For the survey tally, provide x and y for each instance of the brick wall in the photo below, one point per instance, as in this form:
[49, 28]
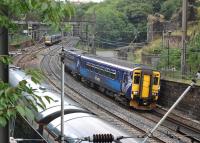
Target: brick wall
[190, 105]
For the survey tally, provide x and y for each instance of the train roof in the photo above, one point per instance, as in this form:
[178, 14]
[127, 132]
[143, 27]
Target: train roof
[53, 112]
[74, 51]
[79, 125]
[125, 65]
[53, 107]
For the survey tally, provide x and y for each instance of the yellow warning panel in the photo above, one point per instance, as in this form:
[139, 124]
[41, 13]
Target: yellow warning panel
[145, 86]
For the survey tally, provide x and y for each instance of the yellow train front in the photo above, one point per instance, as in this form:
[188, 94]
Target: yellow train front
[145, 89]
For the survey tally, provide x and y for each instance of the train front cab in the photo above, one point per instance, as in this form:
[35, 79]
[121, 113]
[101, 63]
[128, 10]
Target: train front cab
[145, 89]
[48, 40]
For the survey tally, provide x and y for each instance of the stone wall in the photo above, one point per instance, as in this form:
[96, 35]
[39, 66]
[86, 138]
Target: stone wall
[174, 41]
[190, 105]
[157, 27]
[150, 59]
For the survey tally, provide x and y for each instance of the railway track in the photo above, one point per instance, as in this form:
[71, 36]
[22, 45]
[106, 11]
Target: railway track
[181, 125]
[95, 108]
[27, 55]
[162, 135]
[104, 106]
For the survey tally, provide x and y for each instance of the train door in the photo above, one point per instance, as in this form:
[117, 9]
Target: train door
[141, 84]
[145, 85]
[78, 64]
[136, 83]
[124, 82]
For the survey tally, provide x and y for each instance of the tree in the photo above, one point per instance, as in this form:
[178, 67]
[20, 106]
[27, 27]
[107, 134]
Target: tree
[51, 12]
[122, 21]
[169, 7]
[193, 58]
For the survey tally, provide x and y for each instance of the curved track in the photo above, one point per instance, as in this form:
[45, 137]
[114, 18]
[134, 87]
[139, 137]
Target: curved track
[77, 91]
[28, 54]
[136, 123]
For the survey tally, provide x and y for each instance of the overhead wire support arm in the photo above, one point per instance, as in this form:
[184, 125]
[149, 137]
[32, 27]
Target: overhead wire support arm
[148, 135]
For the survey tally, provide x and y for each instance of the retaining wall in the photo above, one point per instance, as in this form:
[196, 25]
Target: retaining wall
[190, 105]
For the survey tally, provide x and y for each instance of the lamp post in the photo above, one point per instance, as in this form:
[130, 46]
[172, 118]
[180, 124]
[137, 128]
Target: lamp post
[169, 33]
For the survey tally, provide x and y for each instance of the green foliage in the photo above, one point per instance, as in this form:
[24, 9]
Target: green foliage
[11, 99]
[174, 59]
[169, 7]
[81, 9]
[154, 48]
[194, 53]
[157, 4]
[17, 39]
[36, 75]
[50, 11]
[5, 59]
[111, 21]
[121, 20]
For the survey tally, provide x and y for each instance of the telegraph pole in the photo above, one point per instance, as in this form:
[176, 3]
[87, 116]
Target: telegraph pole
[86, 36]
[184, 35]
[93, 33]
[4, 131]
[169, 33]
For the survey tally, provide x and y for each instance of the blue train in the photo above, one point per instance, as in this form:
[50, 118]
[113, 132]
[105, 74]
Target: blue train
[136, 83]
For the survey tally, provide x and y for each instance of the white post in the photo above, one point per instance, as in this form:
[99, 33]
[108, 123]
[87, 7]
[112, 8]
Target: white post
[169, 111]
[62, 89]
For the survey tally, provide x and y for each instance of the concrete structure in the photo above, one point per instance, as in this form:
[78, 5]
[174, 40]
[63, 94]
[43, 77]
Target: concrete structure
[170, 91]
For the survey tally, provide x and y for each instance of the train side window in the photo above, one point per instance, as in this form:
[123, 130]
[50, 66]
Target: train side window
[113, 75]
[95, 69]
[101, 71]
[91, 68]
[104, 73]
[155, 80]
[136, 79]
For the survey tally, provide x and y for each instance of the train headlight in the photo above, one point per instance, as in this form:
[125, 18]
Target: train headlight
[154, 93]
[145, 103]
[135, 92]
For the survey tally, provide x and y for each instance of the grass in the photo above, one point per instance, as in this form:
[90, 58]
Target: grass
[17, 39]
[136, 56]
[154, 47]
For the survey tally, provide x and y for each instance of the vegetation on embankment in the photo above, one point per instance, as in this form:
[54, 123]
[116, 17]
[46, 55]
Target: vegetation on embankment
[120, 22]
[18, 39]
[192, 52]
